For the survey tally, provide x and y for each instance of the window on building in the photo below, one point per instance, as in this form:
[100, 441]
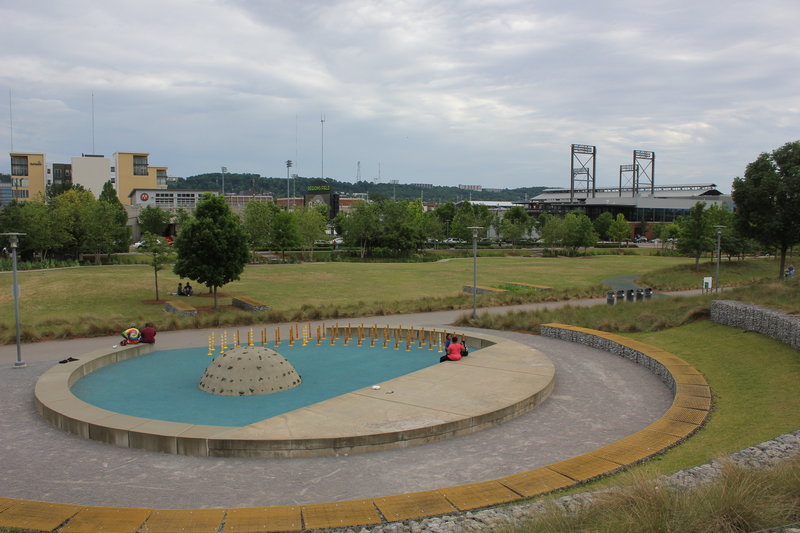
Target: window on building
[164, 199]
[20, 193]
[20, 182]
[186, 199]
[139, 165]
[19, 166]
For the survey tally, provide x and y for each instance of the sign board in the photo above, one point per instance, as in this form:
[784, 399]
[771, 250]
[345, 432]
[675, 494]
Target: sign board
[708, 282]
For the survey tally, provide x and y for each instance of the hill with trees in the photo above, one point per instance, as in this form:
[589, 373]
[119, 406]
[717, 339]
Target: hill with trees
[255, 184]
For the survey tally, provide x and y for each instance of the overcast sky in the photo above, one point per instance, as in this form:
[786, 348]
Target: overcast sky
[486, 92]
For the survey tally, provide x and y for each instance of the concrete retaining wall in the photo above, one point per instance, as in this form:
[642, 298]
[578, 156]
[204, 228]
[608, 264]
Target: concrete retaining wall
[779, 326]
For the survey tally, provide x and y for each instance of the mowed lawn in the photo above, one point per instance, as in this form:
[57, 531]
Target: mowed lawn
[115, 292]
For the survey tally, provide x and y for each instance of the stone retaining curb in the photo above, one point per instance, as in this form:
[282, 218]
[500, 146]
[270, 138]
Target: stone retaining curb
[774, 324]
[690, 409]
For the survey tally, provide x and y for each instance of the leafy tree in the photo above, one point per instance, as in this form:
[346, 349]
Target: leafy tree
[258, 219]
[182, 216]
[445, 213]
[154, 220]
[160, 254]
[696, 233]
[602, 223]
[212, 247]
[311, 224]
[619, 230]
[553, 231]
[284, 232]
[516, 224]
[768, 200]
[400, 229]
[432, 226]
[581, 231]
[360, 227]
[75, 209]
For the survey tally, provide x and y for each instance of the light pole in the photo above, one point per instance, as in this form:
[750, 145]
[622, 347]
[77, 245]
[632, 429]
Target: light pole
[13, 239]
[474, 268]
[288, 188]
[719, 234]
[224, 170]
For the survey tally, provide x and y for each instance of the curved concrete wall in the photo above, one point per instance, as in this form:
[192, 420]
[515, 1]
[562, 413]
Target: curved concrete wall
[504, 380]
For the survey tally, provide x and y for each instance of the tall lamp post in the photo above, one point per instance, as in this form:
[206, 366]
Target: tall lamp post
[288, 188]
[13, 239]
[474, 268]
[719, 234]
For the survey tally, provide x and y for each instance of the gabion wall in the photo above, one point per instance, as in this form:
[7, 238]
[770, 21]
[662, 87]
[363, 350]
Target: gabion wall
[779, 326]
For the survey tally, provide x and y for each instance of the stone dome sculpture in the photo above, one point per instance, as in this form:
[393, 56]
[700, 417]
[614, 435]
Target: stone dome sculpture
[249, 371]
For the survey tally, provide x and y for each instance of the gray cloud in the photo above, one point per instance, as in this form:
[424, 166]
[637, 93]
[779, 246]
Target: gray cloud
[479, 92]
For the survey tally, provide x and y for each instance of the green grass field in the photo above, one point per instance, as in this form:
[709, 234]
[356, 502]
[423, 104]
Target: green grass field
[88, 301]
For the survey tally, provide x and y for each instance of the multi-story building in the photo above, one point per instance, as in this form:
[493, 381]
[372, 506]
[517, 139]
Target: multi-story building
[28, 175]
[134, 172]
[92, 172]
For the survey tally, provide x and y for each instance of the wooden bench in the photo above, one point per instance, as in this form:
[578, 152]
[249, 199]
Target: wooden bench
[180, 308]
[248, 304]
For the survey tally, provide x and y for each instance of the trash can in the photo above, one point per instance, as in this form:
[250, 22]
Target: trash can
[639, 295]
[648, 293]
[629, 295]
[620, 295]
[610, 297]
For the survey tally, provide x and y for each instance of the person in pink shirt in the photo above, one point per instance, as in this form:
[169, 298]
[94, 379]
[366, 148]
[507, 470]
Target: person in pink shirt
[453, 351]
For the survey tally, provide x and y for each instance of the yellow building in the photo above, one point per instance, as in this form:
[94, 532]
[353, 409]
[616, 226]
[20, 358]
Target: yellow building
[28, 175]
[133, 172]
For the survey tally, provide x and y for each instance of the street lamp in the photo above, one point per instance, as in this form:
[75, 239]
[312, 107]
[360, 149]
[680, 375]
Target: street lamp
[474, 268]
[13, 239]
[719, 234]
[288, 188]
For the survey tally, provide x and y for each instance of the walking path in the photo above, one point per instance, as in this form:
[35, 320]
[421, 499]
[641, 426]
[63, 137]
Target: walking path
[598, 399]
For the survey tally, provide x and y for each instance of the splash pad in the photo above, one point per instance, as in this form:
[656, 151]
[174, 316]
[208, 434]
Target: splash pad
[502, 380]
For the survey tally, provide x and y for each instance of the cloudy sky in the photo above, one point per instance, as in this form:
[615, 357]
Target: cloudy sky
[449, 92]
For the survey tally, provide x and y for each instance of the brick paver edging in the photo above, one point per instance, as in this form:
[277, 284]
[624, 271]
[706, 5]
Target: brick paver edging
[690, 409]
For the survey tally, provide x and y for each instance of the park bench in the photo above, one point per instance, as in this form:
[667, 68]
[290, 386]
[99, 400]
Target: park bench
[248, 304]
[180, 308]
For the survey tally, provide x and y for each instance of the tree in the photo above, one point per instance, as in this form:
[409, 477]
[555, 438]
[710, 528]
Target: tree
[258, 219]
[159, 251]
[768, 200]
[74, 208]
[311, 224]
[212, 247]
[516, 224]
[154, 220]
[360, 227]
[619, 230]
[602, 223]
[696, 233]
[284, 232]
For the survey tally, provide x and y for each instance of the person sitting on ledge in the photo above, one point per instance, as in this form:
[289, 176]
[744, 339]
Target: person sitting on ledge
[453, 351]
[179, 292]
[131, 335]
[187, 289]
[148, 334]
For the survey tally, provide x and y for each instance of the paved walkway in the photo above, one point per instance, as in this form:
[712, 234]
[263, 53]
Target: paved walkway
[598, 399]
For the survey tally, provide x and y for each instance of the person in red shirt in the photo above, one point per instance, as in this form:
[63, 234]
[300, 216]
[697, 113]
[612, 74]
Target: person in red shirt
[148, 334]
[453, 351]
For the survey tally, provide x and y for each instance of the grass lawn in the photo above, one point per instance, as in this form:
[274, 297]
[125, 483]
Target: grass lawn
[754, 384]
[98, 300]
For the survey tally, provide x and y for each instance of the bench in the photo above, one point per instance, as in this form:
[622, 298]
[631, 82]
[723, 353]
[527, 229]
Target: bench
[248, 304]
[180, 308]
